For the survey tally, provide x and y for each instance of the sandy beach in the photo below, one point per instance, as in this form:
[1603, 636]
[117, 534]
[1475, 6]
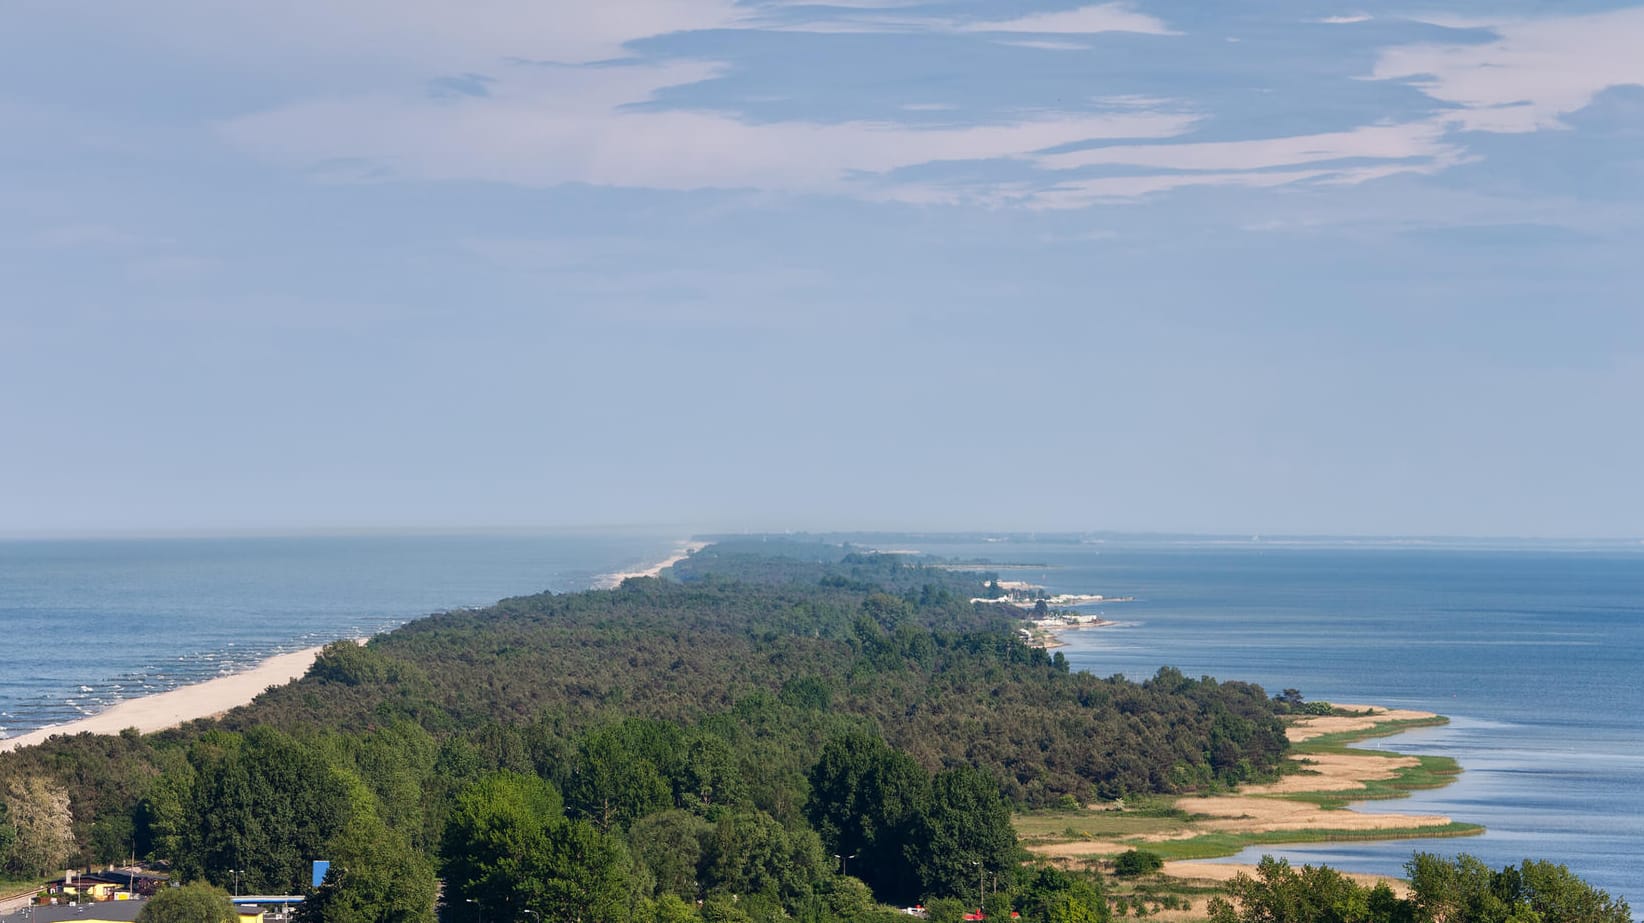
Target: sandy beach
[682, 551]
[183, 704]
[215, 696]
[1266, 809]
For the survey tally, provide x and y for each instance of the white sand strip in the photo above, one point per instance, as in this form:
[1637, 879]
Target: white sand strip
[183, 704]
[681, 552]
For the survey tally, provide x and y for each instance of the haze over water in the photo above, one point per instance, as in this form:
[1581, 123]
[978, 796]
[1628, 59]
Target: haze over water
[1534, 653]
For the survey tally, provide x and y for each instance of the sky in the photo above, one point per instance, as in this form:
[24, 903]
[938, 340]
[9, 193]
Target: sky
[1275, 267]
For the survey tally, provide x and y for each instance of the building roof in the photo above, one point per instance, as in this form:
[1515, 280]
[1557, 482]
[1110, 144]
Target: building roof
[105, 911]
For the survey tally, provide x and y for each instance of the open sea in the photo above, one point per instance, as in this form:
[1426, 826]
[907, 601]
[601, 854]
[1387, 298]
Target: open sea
[1535, 653]
[91, 622]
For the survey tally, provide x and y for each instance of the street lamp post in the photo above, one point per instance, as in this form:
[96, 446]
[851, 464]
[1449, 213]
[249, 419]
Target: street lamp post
[236, 873]
[533, 913]
[479, 911]
[844, 862]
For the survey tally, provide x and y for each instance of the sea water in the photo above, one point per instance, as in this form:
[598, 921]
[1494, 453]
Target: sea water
[1535, 653]
[88, 623]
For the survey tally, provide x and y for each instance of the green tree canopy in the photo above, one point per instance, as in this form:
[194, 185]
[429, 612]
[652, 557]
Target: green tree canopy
[198, 902]
[752, 853]
[39, 826]
[375, 876]
[1460, 890]
[262, 803]
[1050, 895]
[964, 833]
[865, 799]
[509, 849]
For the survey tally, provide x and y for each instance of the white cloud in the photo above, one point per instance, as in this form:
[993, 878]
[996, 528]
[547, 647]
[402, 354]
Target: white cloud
[545, 126]
[1044, 44]
[1103, 17]
[548, 126]
[1535, 71]
[1084, 192]
[1419, 142]
[1344, 20]
[337, 37]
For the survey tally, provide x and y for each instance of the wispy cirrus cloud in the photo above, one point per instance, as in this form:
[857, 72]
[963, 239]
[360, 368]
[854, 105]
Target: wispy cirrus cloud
[549, 126]
[609, 125]
[1086, 20]
[1534, 72]
[1420, 143]
[1092, 19]
[374, 36]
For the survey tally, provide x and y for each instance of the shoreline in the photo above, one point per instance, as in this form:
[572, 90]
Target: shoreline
[1311, 805]
[682, 550]
[175, 707]
[162, 711]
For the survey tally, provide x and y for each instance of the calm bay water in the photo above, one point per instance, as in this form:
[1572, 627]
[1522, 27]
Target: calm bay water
[1536, 655]
[91, 622]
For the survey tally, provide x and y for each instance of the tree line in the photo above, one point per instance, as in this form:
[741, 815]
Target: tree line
[1460, 890]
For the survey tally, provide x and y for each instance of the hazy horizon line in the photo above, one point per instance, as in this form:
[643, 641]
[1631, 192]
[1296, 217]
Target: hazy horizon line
[1094, 536]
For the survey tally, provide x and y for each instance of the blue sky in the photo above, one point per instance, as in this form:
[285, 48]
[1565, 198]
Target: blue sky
[1273, 267]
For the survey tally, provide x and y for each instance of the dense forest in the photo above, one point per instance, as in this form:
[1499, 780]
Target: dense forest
[778, 730]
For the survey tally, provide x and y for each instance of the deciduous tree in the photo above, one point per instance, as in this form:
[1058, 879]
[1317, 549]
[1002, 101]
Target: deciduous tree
[42, 826]
[192, 903]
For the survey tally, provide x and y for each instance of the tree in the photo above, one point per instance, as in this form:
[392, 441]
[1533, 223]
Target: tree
[865, 798]
[162, 818]
[8, 834]
[668, 845]
[964, 833]
[1133, 862]
[42, 826]
[708, 777]
[509, 848]
[613, 785]
[1465, 890]
[494, 821]
[375, 875]
[1051, 895]
[1558, 896]
[262, 803]
[1278, 893]
[753, 854]
[579, 874]
[192, 903]
[670, 908]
